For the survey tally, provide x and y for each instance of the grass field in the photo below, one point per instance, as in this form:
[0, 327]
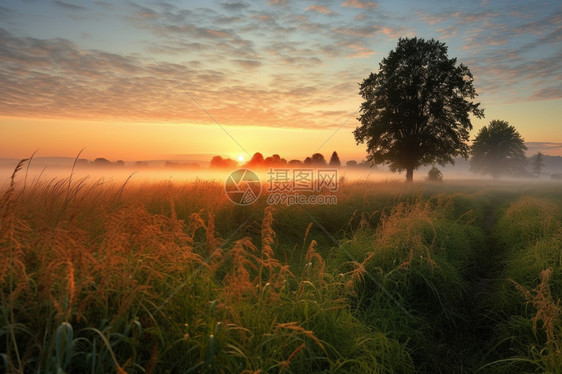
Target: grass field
[166, 277]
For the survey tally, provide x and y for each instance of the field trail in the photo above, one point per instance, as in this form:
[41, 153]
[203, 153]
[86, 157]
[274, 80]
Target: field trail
[488, 266]
[473, 327]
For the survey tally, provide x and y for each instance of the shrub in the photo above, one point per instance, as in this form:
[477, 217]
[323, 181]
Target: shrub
[434, 175]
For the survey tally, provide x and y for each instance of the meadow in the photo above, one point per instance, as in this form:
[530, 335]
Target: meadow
[167, 277]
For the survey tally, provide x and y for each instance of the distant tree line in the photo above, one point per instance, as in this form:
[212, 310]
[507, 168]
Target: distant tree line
[316, 160]
[102, 162]
[223, 163]
[181, 165]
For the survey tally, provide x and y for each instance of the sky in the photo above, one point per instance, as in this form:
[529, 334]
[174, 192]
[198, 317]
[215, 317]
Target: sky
[141, 80]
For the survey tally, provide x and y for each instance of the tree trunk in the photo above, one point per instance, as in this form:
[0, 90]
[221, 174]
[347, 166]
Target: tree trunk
[409, 175]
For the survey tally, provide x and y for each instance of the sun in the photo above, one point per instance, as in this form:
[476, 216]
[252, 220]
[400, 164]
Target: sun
[240, 158]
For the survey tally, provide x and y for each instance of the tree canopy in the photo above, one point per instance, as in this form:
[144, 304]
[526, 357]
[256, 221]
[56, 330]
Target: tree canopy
[224, 163]
[416, 108]
[316, 160]
[498, 149]
[335, 160]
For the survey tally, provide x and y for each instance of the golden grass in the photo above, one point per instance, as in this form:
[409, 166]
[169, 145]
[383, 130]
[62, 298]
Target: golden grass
[94, 255]
[548, 310]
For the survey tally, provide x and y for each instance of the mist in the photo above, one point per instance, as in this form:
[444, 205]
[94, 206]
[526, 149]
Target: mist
[40, 173]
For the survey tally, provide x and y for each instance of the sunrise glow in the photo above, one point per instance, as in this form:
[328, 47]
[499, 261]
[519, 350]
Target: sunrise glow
[152, 80]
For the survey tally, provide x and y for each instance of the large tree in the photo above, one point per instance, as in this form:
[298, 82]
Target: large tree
[498, 149]
[416, 108]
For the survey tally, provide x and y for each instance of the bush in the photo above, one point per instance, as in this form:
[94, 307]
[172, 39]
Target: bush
[434, 175]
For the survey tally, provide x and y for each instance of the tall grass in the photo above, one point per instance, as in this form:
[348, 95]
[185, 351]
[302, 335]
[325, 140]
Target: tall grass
[413, 285]
[97, 278]
[166, 277]
[524, 306]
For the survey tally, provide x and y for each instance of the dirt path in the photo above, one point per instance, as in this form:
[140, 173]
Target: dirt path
[488, 269]
[475, 327]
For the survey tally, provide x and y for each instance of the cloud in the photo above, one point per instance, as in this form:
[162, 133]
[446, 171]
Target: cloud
[360, 32]
[301, 61]
[248, 64]
[246, 61]
[554, 36]
[370, 30]
[259, 33]
[145, 13]
[506, 48]
[547, 148]
[538, 26]
[359, 4]
[5, 13]
[395, 32]
[448, 32]
[481, 29]
[277, 2]
[177, 48]
[69, 6]
[474, 17]
[359, 50]
[433, 19]
[54, 78]
[548, 93]
[320, 9]
[227, 20]
[105, 5]
[293, 54]
[508, 77]
[190, 31]
[235, 6]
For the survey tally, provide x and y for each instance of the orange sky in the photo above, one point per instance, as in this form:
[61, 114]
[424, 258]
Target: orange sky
[135, 140]
[145, 141]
